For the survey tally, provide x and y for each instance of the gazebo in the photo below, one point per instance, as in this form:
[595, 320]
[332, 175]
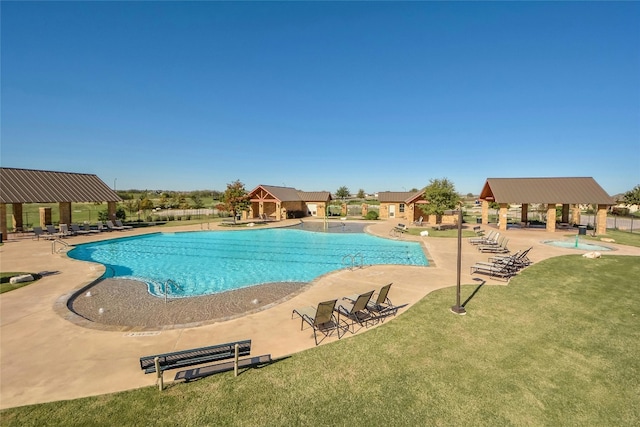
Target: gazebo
[19, 186]
[571, 193]
[277, 203]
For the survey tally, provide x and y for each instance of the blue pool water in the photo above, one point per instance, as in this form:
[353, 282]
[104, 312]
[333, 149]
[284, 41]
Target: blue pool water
[202, 263]
[576, 245]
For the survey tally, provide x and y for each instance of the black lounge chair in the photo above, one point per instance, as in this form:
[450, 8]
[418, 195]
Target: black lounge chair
[320, 319]
[497, 270]
[382, 305]
[357, 310]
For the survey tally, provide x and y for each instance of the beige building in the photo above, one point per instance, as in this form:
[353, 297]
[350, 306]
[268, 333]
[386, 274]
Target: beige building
[275, 203]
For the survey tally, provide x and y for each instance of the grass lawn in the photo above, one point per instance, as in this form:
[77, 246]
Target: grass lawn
[558, 346]
[5, 286]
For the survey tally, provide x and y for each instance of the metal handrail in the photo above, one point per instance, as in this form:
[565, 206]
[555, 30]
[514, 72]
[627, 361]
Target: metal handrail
[166, 288]
[65, 245]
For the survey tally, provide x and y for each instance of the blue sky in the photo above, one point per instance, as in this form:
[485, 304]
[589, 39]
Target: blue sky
[316, 95]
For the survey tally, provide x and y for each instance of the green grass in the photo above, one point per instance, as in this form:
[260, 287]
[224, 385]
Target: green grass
[5, 286]
[621, 237]
[558, 346]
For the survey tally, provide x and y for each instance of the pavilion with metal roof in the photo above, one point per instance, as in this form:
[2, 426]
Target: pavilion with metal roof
[19, 186]
[568, 192]
[276, 203]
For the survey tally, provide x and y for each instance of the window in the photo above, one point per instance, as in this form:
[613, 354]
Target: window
[401, 207]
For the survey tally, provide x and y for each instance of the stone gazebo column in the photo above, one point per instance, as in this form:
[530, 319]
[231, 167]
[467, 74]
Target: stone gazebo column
[45, 216]
[65, 212]
[575, 214]
[601, 220]
[3, 221]
[524, 215]
[551, 217]
[111, 210]
[485, 212]
[502, 217]
[17, 217]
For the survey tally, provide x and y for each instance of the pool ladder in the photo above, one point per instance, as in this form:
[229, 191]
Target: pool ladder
[351, 260]
[65, 246]
[166, 288]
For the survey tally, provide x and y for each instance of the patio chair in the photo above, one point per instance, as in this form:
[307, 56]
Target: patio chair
[418, 222]
[124, 227]
[37, 232]
[320, 319]
[496, 249]
[75, 228]
[357, 311]
[64, 231]
[112, 226]
[52, 233]
[480, 240]
[498, 270]
[382, 305]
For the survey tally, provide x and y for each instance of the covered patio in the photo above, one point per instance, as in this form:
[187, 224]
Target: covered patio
[19, 186]
[571, 193]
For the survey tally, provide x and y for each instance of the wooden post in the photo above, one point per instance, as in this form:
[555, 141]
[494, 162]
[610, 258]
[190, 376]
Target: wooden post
[160, 379]
[235, 362]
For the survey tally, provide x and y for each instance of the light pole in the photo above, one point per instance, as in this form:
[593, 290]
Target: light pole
[458, 308]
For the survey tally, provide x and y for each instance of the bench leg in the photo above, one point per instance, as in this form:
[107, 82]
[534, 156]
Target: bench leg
[160, 379]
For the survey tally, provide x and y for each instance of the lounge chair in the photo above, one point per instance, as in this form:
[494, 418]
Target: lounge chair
[498, 242]
[52, 233]
[382, 305]
[37, 232]
[498, 270]
[496, 249]
[520, 259]
[124, 227]
[112, 226]
[418, 223]
[481, 240]
[357, 311]
[64, 231]
[75, 228]
[320, 319]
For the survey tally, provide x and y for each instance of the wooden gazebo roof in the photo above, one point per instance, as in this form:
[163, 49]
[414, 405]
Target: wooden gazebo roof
[582, 190]
[37, 186]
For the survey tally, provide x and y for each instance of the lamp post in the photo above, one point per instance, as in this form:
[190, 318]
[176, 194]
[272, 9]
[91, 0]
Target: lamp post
[458, 308]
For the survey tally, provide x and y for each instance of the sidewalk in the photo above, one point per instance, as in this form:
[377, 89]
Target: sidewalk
[47, 355]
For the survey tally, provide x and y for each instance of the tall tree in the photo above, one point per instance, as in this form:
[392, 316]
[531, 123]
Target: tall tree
[342, 192]
[632, 197]
[441, 195]
[236, 198]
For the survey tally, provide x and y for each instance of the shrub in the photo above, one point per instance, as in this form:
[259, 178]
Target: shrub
[372, 215]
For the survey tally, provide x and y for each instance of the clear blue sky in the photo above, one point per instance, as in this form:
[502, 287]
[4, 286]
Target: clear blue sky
[314, 95]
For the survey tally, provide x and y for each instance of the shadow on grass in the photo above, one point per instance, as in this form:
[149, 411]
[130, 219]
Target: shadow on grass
[475, 291]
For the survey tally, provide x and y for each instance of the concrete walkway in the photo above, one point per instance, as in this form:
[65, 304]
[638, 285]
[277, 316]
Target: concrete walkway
[46, 354]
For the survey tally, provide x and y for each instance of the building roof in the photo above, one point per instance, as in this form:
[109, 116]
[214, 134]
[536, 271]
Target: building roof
[37, 186]
[398, 196]
[545, 190]
[289, 194]
[315, 196]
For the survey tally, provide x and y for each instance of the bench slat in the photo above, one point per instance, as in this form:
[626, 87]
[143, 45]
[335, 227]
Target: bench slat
[194, 356]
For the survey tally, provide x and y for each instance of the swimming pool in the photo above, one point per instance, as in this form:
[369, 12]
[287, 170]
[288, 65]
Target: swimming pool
[208, 262]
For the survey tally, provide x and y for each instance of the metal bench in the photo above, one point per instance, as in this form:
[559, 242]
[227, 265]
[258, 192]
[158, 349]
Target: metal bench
[179, 359]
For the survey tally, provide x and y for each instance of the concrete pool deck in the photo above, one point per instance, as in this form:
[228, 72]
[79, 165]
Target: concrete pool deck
[48, 354]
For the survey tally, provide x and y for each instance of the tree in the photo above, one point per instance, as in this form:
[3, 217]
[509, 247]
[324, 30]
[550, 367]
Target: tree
[236, 198]
[441, 195]
[361, 194]
[632, 197]
[342, 192]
